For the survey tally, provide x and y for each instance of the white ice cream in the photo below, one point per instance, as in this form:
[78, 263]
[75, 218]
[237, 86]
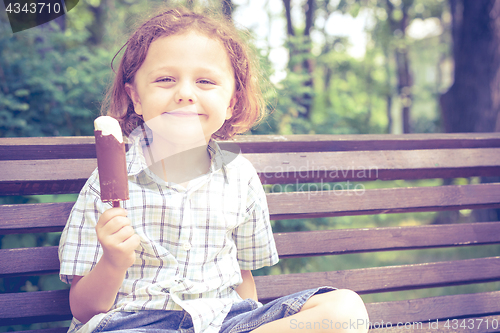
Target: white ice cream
[109, 125]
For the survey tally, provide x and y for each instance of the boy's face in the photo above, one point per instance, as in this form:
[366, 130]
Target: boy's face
[185, 87]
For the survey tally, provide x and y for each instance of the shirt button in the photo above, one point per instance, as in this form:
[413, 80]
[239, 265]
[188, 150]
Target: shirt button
[186, 246]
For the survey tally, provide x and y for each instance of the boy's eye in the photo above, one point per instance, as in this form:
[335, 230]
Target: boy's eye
[165, 79]
[204, 81]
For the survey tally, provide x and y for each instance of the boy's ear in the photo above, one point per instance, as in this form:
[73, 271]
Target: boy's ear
[232, 103]
[134, 96]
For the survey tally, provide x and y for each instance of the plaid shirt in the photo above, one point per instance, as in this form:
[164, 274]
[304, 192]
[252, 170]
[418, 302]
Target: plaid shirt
[194, 240]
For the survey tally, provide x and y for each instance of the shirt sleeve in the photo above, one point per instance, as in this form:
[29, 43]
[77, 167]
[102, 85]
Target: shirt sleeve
[79, 249]
[254, 237]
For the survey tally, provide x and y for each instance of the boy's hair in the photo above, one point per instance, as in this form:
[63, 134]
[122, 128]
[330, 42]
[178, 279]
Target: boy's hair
[249, 108]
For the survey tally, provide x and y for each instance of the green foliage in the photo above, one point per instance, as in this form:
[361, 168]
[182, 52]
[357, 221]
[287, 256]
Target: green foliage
[51, 83]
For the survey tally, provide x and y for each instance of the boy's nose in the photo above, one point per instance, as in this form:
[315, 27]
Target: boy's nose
[185, 93]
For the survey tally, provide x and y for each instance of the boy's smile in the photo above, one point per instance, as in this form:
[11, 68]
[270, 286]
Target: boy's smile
[184, 112]
[185, 88]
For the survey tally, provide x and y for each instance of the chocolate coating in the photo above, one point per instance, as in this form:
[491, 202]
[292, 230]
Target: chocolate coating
[112, 167]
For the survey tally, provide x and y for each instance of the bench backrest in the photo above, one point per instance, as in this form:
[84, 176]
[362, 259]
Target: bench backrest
[293, 168]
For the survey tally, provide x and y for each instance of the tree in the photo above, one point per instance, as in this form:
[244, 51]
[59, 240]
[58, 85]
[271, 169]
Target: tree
[398, 21]
[472, 103]
[300, 58]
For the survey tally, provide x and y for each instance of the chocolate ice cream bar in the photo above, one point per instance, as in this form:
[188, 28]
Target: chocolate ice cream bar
[111, 163]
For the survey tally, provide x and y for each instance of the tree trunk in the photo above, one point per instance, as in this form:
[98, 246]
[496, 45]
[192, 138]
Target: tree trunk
[100, 19]
[308, 63]
[388, 100]
[472, 103]
[405, 80]
[288, 14]
[299, 47]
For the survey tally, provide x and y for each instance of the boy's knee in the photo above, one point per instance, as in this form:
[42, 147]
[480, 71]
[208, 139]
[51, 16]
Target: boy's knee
[349, 298]
[347, 310]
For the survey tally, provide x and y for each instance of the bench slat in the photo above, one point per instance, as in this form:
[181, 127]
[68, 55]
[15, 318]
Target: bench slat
[46, 170]
[385, 279]
[29, 218]
[47, 330]
[293, 205]
[439, 307]
[344, 241]
[68, 176]
[84, 147]
[42, 187]
[371, 165]
[36, 261]
[45, 176]
[481, 324]
[42, 148]
[305, 167]
[45, 306]
[484, 324]
[34, 307]
[358, 142]
[29, 261]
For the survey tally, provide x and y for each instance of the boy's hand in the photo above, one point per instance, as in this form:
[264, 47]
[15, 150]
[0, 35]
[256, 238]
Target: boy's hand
[117, 237]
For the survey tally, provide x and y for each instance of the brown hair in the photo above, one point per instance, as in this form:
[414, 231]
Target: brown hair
[249, 108]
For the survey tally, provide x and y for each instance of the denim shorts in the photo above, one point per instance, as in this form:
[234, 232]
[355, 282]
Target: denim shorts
[243, 317]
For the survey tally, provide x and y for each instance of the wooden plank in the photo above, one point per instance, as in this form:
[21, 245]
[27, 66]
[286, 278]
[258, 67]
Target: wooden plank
[36, 261]
[384, 279]
[440, 307]
[326, 166]
[29, 218]
[54, 305]
[42, 187]
[83, 147]
[482, 324]
[29, 261]
[381, 315]
[292, 205]
[344, 241]
[41, 148]
[68, 176]
[357, 201]
[44, 176]
[283, 168]
[358, 142]
[34, 307]
[47, 330]
[46, 170]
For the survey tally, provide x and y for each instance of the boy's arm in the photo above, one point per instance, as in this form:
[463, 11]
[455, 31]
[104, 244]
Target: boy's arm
[247, 288]
[95, 292]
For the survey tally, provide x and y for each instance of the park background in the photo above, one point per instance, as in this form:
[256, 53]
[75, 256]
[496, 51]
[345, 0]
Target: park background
[330, 67]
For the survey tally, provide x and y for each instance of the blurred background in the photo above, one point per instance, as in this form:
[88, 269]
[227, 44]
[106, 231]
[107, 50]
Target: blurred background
[331, 67]
[339, 66]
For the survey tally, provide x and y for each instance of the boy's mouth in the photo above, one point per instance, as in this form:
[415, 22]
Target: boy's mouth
[183, 112]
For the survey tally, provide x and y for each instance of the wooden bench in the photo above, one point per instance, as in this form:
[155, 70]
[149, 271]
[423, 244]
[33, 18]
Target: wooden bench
[59, 165]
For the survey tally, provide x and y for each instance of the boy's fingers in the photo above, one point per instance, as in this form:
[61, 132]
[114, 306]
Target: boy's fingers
[123, 233]
[133, 241]
[114, 225]
[109, 214]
